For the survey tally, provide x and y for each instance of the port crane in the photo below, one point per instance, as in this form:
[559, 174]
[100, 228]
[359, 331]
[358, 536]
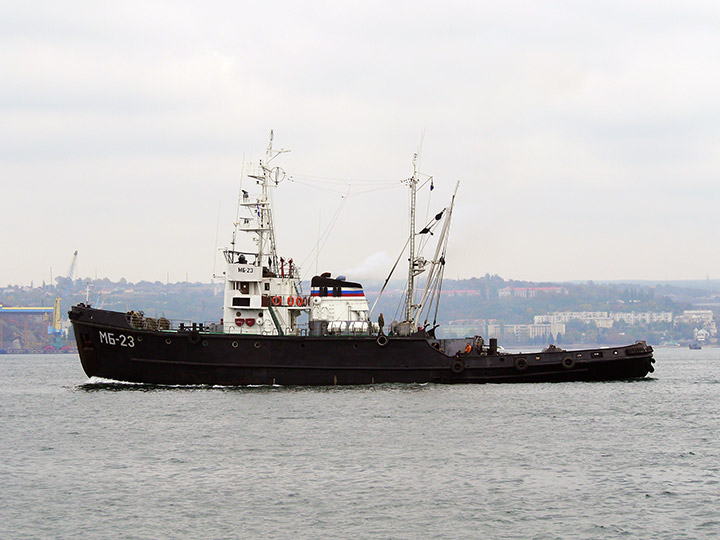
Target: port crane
[57, 326]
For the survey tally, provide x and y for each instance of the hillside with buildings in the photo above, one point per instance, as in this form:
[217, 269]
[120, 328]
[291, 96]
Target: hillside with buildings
[515, 312]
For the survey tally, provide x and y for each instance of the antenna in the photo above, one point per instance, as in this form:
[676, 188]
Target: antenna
[217, 232]
[317, 249]
[240, 198]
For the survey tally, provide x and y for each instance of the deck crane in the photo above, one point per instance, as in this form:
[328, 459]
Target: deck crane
[56, 327]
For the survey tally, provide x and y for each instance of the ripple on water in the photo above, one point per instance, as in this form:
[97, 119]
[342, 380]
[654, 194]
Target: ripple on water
[102, 459]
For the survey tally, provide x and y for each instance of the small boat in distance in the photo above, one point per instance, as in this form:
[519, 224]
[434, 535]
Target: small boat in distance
[261, 341]
[694, 346]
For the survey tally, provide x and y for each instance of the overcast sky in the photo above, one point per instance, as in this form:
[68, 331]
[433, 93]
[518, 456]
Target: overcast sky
[585, 135]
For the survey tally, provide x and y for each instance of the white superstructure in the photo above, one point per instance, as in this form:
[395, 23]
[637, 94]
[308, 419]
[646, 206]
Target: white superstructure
[263, 294]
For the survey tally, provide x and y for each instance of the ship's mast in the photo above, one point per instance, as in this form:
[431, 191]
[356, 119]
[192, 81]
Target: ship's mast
[266, 234]
[410, 302]
[437, 266]
[265, 211]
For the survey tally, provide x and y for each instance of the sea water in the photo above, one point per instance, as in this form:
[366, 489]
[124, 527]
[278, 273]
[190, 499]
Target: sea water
[82, 458]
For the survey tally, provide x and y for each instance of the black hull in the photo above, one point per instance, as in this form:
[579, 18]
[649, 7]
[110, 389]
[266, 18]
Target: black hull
[110, 348]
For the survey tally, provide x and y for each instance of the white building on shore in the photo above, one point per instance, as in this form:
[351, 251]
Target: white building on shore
[606, 319]
[526, 330]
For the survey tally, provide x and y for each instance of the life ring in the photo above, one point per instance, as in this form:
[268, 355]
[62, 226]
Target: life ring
[299, 302]
[458, 366]
[521, 364]
[290, 300]
[382, 340]
[568, 362]
[194, 337]
[276, 301]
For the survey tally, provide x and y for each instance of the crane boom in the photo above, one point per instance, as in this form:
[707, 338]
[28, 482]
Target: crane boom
[56, 311]
[73, 264]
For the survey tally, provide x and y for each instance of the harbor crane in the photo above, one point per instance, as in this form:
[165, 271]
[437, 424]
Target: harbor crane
[57, 326]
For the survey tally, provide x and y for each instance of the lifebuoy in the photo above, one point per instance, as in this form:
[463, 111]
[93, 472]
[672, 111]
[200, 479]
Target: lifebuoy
[458, 366]
[290, 300]
[382, 340]
[568, 362]
[276, 301]
[521, 364]
[299, 302]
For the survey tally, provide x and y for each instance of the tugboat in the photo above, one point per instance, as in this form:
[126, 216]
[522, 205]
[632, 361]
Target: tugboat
[261, 340]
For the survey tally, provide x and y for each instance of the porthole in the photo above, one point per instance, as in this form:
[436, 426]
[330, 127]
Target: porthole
[168, 341]
[235, 344]
[205, 343]
[257, 344]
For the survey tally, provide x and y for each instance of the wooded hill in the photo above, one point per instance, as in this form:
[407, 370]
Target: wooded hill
[468, 299]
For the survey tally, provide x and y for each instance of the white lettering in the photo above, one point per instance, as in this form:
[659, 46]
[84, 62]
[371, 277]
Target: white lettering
[121, 339]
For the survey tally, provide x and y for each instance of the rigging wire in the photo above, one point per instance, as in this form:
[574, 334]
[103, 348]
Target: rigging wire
[334, 180]
[390, 275]
[381, 187]
[326, 233]
[437, 295]
[325, 236]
